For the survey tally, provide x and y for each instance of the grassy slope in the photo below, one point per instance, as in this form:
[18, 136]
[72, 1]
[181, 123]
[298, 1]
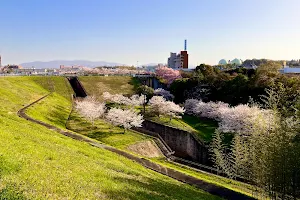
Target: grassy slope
[112, 136]
[204, 129]
[44, 164]
[104, 132]
[211, 178]
[54, 110]
[96, 85]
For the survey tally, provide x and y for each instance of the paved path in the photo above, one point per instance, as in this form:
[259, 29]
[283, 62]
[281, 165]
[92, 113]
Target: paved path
[208, 187]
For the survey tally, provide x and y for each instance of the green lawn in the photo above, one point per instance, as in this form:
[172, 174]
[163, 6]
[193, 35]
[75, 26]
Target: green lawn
[210, 178]
[203, 128]
[104, 132]
[54, 110]
[96, 85]
[37, 163]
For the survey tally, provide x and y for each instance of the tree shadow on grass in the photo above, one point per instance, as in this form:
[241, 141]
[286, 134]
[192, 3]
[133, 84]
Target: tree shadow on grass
[101, 135]
[205, 127]
[149, 188]
[99, 131]
[57, 116]
[7, 166]
[11, 192]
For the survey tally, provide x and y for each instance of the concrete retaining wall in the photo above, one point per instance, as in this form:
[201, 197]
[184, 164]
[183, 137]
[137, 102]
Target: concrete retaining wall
[185, 144]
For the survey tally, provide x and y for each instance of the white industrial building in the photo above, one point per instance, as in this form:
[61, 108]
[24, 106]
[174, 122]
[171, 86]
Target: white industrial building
[290, 70]
[236, 62]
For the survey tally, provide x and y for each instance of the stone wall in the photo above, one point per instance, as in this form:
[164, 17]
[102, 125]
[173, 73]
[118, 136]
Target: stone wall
[185, 144]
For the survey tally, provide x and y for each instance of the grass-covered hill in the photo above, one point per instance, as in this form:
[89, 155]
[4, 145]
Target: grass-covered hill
[37, 163]
[96, 85]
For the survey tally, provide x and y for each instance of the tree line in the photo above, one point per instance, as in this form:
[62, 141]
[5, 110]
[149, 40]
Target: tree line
[238, 86]
[259, 109]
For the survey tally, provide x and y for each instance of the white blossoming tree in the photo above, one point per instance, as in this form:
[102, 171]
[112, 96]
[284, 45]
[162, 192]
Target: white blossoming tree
[238, 119]
[124, 118]
[90, 109]
[160, 106]
[209, 110]
[134, 100]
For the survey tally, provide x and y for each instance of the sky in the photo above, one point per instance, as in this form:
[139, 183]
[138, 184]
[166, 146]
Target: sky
[146, 31]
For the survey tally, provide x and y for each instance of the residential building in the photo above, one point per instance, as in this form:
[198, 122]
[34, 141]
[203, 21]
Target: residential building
[178, 61]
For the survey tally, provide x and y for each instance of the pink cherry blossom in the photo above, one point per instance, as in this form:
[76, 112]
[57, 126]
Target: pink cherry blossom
[168, 74]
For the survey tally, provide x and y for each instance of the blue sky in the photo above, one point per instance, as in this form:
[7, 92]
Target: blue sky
[127, 31]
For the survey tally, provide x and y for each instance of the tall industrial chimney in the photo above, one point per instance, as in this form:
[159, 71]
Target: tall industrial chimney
[185, 44]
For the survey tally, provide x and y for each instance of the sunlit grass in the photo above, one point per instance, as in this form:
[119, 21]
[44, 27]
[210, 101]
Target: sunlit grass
[210, 178]
[104, 132]
[96, 85]
[203, 128]
[37, 163]
[54, 110]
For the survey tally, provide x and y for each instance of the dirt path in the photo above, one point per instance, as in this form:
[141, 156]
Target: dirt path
[208, 187]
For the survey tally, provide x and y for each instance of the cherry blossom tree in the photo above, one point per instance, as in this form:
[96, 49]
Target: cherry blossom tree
[168, 74]
[173, 110]
[134, 100]
[114, 71]
[190, 105]
[160, 106]
[106, 96]
[164, 93]
[238, 119]
[124, 118]
[268, 154]
[210, 110]
[244, 119]
[157, 104]
[137, 100]
[90, 109]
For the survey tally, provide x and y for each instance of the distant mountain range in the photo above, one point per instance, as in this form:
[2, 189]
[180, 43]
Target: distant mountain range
[57, 63]
[149, 64]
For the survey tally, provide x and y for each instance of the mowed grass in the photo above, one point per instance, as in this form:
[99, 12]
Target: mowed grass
[54, 110]
[37, 163]
[237, 186]
[96, 85]
[203, 128]
[104, 132]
